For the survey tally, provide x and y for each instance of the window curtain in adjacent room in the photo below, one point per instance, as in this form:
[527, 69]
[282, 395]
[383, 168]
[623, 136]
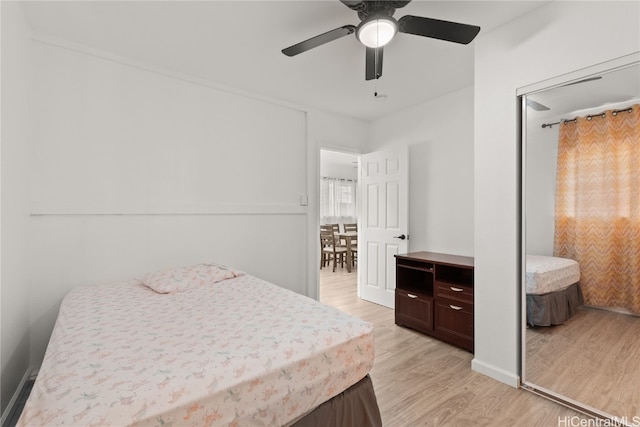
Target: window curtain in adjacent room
[337, 201]
[597, 215]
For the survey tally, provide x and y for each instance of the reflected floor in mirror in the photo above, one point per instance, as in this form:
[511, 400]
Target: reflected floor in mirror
[420, 381]
[593, 358]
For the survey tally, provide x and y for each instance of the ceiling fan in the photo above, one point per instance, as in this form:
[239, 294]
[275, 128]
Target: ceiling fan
[378, 27]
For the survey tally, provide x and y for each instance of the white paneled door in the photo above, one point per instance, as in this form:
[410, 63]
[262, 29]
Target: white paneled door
[384, 221]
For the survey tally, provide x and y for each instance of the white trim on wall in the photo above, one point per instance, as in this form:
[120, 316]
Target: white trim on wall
[42, 209]
[98, 53]
[564, 79]
[495, 372]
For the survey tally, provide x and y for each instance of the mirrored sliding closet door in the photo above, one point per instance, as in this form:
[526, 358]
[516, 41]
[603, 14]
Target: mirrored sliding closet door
[581, 242]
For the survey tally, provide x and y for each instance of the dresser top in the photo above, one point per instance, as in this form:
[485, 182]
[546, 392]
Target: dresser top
[437, 258]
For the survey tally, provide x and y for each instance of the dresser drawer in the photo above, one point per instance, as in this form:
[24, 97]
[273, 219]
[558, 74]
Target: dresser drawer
[414, 310]
[455, 320]
[454, 291]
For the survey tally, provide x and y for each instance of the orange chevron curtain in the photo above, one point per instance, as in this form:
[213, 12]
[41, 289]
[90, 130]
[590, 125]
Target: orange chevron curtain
[597, 214]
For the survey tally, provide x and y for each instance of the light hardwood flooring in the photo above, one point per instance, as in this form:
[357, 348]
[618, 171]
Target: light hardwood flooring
[420, 381]
[594, 358]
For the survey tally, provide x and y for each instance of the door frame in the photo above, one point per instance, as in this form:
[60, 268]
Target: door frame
[315, 212]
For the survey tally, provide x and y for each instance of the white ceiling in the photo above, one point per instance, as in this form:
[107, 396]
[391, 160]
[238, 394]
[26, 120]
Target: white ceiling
[238, 44]
[612, 89]
[339, 159]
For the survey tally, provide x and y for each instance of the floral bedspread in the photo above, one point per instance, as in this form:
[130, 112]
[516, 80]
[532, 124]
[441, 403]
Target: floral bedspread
[240, 352]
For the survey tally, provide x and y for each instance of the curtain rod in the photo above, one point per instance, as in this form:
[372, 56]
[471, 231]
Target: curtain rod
[589, 117]
[338, 179]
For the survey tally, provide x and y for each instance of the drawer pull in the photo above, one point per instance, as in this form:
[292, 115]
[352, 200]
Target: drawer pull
[412, 296]
[453, 288]
[455, 307]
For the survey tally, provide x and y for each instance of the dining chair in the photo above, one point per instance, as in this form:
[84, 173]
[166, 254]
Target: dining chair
[331, 251]
[350, 228]
[354, 255]
[336, 230]
[324, 257]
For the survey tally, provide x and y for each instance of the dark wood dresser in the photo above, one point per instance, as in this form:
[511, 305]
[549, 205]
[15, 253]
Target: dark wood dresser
[434, 295]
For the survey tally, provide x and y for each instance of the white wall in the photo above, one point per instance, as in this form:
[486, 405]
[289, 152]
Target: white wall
[133, 169]
[338, 165]
[333, 132]
[555, 39]
[136, 171]
[439, 134]
[540, 179]
[15, 201]
[112, 138]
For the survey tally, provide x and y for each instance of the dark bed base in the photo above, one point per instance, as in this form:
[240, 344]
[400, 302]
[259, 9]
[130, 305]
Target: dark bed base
[356, 406]
[553, 308]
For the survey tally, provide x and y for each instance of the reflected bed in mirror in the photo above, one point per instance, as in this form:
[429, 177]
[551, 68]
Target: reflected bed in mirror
[553, 290]
[581, 242]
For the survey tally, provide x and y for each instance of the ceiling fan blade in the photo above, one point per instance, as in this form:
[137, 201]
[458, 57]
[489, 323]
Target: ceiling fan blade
[536, 105]
[437, 29]
[319, 40]
[588, 79]
[373, 63]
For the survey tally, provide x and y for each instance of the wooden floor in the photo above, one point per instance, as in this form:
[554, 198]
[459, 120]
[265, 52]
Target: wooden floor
[420, 381]
[593, 358]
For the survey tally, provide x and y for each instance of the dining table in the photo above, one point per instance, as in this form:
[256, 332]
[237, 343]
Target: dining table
[349, 237]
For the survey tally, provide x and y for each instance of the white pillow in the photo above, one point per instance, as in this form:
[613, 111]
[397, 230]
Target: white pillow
[183, 278]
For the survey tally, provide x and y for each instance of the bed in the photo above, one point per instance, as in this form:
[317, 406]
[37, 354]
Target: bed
[552, 288]
[204, 345]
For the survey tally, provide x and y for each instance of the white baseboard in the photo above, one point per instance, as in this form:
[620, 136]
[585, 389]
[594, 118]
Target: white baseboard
[499, 374]
[26, 377]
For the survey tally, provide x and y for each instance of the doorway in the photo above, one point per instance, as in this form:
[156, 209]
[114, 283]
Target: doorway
[339, 204]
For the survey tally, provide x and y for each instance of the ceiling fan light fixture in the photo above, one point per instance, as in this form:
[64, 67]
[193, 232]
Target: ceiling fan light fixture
[377, 31]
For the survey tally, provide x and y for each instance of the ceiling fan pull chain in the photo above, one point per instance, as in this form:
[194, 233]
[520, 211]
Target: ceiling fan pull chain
[377, 76]
[375, 84]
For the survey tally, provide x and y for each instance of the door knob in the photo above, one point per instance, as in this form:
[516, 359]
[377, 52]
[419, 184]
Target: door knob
[401, 237]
